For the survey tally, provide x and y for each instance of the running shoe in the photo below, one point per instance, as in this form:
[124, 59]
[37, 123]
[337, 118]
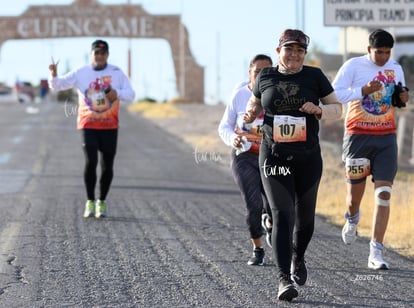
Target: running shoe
[266, 220]
[298, 270]
[375, 260]
[287, 290]
[89, 209]
[100, 209]
[257, 258]
[349, 232]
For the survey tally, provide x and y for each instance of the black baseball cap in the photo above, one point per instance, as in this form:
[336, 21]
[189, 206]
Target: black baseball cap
[100, 45]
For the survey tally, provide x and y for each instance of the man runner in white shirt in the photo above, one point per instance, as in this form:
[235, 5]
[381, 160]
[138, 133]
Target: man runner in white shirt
[367, 84]
[100, 87]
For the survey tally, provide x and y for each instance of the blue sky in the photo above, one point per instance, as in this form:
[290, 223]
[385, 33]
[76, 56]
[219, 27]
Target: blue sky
[224, 35]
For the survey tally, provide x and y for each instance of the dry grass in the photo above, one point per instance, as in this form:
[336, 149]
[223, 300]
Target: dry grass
[331, 204]
[156, 110]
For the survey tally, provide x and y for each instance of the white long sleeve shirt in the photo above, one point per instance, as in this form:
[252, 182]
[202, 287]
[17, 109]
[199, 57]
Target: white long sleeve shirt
[95, 111]
[232, 124]
[373, 113]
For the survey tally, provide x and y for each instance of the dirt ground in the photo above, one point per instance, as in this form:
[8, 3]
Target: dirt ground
[197, 125]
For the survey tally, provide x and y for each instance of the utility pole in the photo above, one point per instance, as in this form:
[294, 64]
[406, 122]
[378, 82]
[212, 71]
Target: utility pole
[300, 15]
[129, 44]
[218, 94]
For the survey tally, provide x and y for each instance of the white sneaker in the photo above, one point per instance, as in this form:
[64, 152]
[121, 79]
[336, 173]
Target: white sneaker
[349, 232]
[89, 209]
[375, 260]
[100, 209]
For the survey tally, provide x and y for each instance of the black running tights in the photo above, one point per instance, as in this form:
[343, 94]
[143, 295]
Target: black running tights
[291, 189]
[246, 174]
[103, 142]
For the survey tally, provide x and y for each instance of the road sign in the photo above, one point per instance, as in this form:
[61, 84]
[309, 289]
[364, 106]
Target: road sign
[369, 13]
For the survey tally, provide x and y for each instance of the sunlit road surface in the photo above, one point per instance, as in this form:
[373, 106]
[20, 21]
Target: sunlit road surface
[175, 235]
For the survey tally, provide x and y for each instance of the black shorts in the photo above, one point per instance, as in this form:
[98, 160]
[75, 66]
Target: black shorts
[378, 152]
[104, 140]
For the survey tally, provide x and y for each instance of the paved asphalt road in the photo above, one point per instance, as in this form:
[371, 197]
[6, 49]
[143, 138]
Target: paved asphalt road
[175, 235]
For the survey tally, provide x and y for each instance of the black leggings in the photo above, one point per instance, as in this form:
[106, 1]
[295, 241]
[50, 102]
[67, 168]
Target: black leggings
[104, 142]
[246, 174]
[291, 189]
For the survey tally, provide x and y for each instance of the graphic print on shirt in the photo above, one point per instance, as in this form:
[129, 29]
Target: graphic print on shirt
[289, 100]
[95, 95]
[95, 110]
[287, 97]
[374, 113]
[379, 102]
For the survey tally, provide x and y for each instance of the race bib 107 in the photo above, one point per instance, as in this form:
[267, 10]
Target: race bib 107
[289, 129]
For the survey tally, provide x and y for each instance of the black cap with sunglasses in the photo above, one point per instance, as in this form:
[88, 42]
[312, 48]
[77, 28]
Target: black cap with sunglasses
[293, 36]
[100, 45]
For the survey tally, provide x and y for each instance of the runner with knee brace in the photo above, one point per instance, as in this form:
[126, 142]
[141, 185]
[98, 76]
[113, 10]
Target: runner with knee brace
[367, 84]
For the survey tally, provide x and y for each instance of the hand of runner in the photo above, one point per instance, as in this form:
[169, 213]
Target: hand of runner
[404, 95]
[371, 87]
[250, 115]
[53, 67]
[111, 95]
[311, 108]
[237, 141]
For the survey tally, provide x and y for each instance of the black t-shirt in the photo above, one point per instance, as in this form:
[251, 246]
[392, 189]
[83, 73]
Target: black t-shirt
[285, 94]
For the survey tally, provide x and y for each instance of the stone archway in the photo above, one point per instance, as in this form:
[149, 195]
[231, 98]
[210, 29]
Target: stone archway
[89, 18]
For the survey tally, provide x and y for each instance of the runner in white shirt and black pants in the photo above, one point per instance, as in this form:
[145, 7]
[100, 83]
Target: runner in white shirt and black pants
[244, 163]
[100, 87]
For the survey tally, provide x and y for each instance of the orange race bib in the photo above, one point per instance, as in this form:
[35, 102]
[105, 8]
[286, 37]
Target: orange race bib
[289, 129]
